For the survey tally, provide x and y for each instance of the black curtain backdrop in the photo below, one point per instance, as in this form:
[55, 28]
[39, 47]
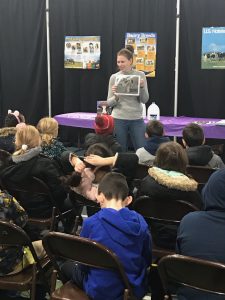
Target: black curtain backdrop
[78, 90]
[201, 92]
[23, 63]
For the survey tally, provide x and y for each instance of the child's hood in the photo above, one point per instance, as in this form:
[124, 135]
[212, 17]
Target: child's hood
[123, 226]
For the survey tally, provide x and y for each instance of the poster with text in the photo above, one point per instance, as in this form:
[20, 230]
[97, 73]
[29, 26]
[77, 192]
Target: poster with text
[82, 52]
[213, 48]
[144, 45]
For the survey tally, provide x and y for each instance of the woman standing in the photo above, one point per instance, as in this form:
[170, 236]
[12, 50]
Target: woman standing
[127, 109]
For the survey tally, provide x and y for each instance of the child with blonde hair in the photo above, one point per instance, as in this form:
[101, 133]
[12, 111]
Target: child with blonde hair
[28, 162]
[48, 129]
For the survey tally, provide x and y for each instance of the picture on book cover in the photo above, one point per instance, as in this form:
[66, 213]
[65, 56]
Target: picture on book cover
[128, 85]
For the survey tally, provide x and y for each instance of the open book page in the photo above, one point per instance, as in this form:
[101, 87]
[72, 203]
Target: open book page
[128, 85]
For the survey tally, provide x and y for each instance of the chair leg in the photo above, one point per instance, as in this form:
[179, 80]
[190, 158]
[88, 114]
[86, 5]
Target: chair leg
[53, 281]
[76, 224]
[33, 285]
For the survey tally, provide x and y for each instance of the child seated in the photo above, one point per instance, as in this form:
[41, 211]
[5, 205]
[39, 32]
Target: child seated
[123, 231]
[104, 127]
[198, 153]
[154, 135]
[7, 134]
[87, 177]
[50, 145]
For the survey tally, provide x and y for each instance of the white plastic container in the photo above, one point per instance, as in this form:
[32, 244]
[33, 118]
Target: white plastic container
[153, 112]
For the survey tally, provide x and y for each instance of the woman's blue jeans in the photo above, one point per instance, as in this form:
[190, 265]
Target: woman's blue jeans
[134, 128]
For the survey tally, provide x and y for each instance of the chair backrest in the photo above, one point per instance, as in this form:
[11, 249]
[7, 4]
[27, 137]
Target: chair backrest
[33, 185]
[13, 235]
[141, 171]
[84, 251]
[178, 270]
[163, 210]
[199, 173]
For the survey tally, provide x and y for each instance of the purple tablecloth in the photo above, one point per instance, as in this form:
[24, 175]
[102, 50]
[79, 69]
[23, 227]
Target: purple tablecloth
[173, 125]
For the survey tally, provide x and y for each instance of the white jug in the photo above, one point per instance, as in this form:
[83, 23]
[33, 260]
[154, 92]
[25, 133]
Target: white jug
[153, 112]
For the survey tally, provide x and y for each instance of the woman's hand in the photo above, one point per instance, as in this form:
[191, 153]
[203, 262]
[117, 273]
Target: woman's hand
[142, 83]
[77, 164]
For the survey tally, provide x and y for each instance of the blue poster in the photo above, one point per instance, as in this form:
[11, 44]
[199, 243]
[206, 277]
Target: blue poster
[213, 48]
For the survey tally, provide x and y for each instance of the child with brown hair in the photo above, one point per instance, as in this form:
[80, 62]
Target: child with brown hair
[7, 133]
[154, 134]
[87, 177]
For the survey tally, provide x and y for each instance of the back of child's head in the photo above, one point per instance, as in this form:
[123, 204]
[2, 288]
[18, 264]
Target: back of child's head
[48, 128]
[193, 135]
[114, 186]
[13, 118]
[104, 124]
[154, 128]
[26, 138]
[171, 156]
[99, 149]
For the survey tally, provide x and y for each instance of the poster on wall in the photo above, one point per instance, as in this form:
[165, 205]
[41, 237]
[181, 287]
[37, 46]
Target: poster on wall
[144, 45]
[82, 52]
[213, 48]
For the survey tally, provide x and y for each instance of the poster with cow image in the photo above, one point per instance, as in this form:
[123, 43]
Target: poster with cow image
[213, 48]
[128, 85]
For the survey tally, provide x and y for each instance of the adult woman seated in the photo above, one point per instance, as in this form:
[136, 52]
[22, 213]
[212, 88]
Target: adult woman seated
[27, 162]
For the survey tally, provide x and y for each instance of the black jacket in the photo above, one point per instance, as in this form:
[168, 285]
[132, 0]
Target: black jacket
[204, 156]
[162, 186]
[7, 136]
[43, 168]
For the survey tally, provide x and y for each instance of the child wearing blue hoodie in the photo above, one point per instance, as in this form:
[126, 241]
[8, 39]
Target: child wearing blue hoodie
[123, 231]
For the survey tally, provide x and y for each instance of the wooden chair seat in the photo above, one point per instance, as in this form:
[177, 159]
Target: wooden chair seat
[21, 281]
[69, 291]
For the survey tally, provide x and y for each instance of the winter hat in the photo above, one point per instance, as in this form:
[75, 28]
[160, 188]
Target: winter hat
[104, 124]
